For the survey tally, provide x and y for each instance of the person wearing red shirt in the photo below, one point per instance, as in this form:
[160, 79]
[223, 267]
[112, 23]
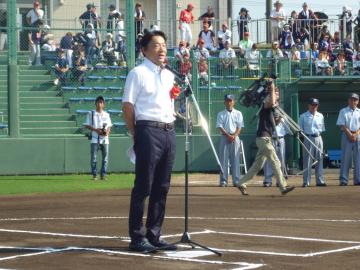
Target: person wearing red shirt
[186, 17]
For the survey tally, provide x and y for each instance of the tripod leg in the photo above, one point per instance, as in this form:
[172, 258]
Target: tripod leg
[204, 247]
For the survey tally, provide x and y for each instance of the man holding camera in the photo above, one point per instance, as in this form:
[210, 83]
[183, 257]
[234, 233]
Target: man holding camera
[99, 123]
[266, 150]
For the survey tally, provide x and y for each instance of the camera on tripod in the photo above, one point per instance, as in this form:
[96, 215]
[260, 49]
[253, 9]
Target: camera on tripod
[257, 92]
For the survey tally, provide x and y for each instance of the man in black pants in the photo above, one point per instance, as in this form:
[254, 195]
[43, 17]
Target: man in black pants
[149, 115]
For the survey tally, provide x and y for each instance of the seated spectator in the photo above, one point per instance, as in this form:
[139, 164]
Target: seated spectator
[286, 39]
[80, 66]
[356, 65]
[294, 54]
[180, 51]
[34, 42]
[227, 57]
[314, 53]
[67, 44]
[324, 31]
[348, 48]
[287, 47]
[324, 44]
[49, 46]
[61, 68]
[336, 41]
[203, 71]
[304, 37]
[223, 35]
[245, 44]
[201, 52]
[138, 52]
[185, 66]
[322, 65]
[208, 36]
[108, 50]
[340, 64]
[273, 55]
[252, 57]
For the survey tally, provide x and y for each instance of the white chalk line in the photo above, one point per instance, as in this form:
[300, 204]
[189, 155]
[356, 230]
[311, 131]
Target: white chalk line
[191, 218]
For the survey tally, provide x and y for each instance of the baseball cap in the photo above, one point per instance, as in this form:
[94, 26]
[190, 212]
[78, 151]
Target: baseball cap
[112, 6]
[313, 101]
[229, 97]
[354, 95]
[190, 5]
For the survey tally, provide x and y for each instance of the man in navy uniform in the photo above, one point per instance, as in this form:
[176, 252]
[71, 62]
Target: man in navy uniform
[349, 122]
[149, 114]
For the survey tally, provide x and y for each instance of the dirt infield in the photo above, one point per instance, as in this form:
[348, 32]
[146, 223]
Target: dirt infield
[310, 228]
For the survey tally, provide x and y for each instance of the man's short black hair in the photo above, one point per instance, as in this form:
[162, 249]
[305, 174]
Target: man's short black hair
[99, 99]
[148, 37]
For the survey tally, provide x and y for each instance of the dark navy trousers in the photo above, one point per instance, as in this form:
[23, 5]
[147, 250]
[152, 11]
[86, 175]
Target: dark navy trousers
[155, 154]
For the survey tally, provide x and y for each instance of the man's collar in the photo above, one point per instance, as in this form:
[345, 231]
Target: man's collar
[152, 66]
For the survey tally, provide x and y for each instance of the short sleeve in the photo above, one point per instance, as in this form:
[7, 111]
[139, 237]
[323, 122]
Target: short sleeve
[88, 121]
[132, 87]
[240, 121]
[341, 119]
[219, 121]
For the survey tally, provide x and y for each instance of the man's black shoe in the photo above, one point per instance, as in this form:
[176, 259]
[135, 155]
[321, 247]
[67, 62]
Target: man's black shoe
[142, 245]
[287, 190]
[321, 185]
[343, 184]
[357, 184]
[163, 245]
[305, 185]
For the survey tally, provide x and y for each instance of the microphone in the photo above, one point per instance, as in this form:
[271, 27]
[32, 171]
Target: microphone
[175, 72]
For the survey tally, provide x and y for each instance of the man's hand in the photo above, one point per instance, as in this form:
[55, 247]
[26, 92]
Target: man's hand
[231, 138]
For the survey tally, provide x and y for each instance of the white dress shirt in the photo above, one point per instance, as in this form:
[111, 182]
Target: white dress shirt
[148, 88]
[230, 121]
[312, 124]
[35, 16]
[349, 118]
[99, 120]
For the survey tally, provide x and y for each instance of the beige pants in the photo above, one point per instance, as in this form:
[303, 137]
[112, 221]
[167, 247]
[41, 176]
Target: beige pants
[266, 151]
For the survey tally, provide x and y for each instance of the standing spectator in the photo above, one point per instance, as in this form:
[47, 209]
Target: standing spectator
[324, 31]
[229, 122]
[294, 23]
[201, 52]
[278, 141]
[113, 17]
[148, 107]
[208, 36]
[347, 17]
[223, 35]
[61, 68]
[245, 44]
[88, 17]
[312, 123]
[349, 122]
[108, 50]
[35, 14]
[286, 42]
[91, 43]
[99, 123]
[139, 16]
[357, 30]
[3, 32]
[34, 41]
[348, 48]
[80, 66]
[208, 16]
[242, 22]
[186, 17]
[307, 19]
[227, 58]
[277, 18]
[67, 44]
[252, 57]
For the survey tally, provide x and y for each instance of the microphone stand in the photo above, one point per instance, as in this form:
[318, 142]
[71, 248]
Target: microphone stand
[186, 239]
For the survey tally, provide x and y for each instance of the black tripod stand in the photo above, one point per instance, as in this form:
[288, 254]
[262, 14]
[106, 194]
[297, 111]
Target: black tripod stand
[186, 239]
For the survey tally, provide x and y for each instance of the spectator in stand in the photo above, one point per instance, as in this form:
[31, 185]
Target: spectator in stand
[35, 14]
[49, 46]
[287, 47]
[356, 65]
[252, 57]
[46, 36]
[67, 44]
[139, 16]
[324, 42]
[340, 64]
[357, 29]
[347, 16]
[3, 32]
[294, 23]
[185, 66]
[186, 17]
[208, 36]
[322, 65]
[304, 37]
[286, 39]
[61, 68]
[307, 17]
[112, 19]
[294, 54]
[277, 18]
[201, 53]
[88, 16]
[348, 48]
[80, 66]
[245, 44]
[223, 35]
[91, 43]
[203, 71]
[336, 41]
[324, 31]
[108, 50]
[227, 58]
[209, 17]
[181, 51]
[274, 54]
[97, 22]
[242, 22]
[34, 41]
[314, 51]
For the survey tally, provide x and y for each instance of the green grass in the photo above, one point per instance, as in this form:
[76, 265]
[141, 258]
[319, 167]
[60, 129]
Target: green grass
[62, 183]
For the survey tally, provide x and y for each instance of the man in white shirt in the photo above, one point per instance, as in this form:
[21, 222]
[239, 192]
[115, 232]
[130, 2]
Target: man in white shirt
[99, 123]
[227, 57]
[229, 122]
[349, 122]
[148, 106]
[201, 53]
[278, 19]
[35, 14]
[208, 36]
[223, 35]
[312, 123]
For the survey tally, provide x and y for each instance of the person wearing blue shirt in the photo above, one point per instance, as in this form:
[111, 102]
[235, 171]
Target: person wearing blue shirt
[312, 124]
[229, 122]
[349, 122]
[61, 68]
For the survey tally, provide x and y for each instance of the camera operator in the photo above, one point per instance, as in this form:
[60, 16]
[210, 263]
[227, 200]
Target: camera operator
[99, 123]
[266, 150]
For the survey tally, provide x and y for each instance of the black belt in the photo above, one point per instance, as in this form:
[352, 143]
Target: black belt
[278, 137]
[161, 125]
[313, 135]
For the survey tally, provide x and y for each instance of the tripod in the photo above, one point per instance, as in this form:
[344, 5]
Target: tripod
[186, 239]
